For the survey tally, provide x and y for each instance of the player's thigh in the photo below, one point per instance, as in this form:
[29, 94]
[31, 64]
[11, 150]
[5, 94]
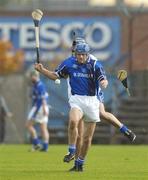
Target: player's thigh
[89, 128]
[75, 115]
[43, 126]
[102, 109]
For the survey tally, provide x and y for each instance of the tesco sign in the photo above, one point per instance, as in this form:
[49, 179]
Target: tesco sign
[101, 33]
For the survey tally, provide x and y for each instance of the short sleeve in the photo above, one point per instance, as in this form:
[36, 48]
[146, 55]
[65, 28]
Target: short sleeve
[62, 70]
[99, 71]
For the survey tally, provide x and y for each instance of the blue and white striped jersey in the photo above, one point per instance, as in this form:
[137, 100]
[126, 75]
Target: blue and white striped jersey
[38, 94]
[83, 78]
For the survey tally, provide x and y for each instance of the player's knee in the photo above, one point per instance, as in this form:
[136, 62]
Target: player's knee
[44, 130]
[72, 124]
[29, 125]
[46, 136]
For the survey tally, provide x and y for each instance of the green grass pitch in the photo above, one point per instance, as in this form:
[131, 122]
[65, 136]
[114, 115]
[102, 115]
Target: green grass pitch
[104, 162]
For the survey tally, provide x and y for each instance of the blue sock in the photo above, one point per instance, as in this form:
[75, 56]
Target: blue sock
[80, 161]
[35, 141]
[72, 149]
[123, 129]
[45, 146]
[76, 162]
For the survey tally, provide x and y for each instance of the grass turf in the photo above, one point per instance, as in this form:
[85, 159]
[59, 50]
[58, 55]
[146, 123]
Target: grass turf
[103, 163]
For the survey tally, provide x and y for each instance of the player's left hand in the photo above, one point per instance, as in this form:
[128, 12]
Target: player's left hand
[38, 66]
[104, 83]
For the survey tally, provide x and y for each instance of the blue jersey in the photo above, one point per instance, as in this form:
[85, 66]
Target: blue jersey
[100, 94]
[39, 94]
[83, 78]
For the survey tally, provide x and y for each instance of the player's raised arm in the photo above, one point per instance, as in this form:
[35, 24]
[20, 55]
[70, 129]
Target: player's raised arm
[50, 74]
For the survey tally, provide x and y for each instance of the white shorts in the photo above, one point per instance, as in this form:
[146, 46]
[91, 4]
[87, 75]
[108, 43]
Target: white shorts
[88, 105]
[38, 116]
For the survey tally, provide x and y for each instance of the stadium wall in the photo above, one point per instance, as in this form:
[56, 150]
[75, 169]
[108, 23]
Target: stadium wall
[134, 42]
[134, 33]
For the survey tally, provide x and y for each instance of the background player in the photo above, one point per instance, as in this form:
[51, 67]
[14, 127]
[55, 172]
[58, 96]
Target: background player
[39, 113]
